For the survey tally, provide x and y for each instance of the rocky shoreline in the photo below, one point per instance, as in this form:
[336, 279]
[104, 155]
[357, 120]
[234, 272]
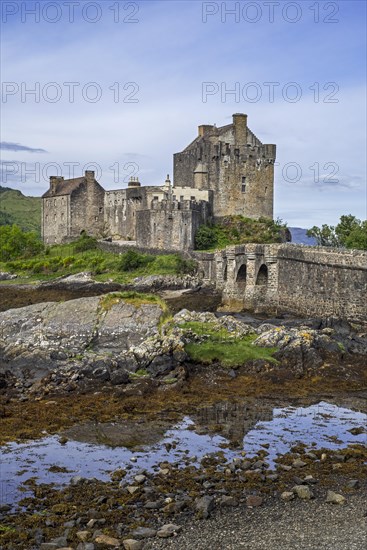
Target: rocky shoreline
[87, 343]
[126, 356]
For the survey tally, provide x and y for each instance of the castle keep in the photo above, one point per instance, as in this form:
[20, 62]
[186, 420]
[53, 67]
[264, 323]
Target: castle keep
[224, 171]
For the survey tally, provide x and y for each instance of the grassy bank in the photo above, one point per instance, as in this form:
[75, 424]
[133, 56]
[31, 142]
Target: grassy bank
[223, 347]
[233, 230]
[83, 255]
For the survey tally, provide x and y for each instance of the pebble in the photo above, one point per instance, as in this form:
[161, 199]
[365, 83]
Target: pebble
[303, 492]
[140, 478]
[204, 506]
[253, 501]
[132, 544]
[287, 496]
[83, 535]
[168, 530]
[353, 484]
[144, 533]
[298, 463]
[107, 541]
[133, 489]
[228, 501]
[335, 498]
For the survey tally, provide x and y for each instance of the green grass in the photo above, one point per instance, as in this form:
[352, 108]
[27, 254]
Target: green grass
[15, 208]
[62, 260]
[131, 297]
[223, 347]
[232, 230]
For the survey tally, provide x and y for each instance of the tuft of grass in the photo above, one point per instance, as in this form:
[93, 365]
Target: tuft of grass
[131, 297]
[223, 347]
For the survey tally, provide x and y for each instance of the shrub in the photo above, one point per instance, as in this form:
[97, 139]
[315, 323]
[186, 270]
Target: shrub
[185, 267]
[84, 243]
[15, 243]
[205, 238]
[132, 260]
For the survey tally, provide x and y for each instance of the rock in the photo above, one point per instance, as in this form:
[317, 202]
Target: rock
[83, 535]
[5, 276]
[5, 508]
[107, 541]
[49, 546]
[298, 463]
[284, 467]
[131, 544]
[140, 479]
[287, 496]
[353, 484]
[133, 489]
[119, 377]
[168, 530]
[228, 501]
[303, 492]
[144, 533]
[335, 498]
[253, 501]
[204, 506]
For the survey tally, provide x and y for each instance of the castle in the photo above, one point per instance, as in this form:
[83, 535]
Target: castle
[224, 171]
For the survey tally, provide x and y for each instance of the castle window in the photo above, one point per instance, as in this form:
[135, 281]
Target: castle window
[243, 184]
[54, 202]
[192, 198]
[62, 215]
[155, 198]
[100, 209]
[266, 190]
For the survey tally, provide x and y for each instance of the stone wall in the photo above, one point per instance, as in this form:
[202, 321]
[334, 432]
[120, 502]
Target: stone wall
[55, 219]
[233, 163]
[279, 278]
[170, 225]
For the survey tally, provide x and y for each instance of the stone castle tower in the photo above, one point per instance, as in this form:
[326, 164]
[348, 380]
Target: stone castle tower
[225, 171]
[233, 163]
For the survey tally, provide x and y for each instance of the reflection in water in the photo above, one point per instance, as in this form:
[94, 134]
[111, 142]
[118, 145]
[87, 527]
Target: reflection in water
[255, 426]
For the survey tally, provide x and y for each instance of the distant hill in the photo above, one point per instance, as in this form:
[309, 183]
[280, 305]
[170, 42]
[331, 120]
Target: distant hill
[19, 209]
[299, 236]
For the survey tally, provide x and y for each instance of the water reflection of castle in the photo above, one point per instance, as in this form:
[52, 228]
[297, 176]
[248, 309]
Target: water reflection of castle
[233, 420]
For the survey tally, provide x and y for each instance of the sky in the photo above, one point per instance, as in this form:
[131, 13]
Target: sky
[119, 86]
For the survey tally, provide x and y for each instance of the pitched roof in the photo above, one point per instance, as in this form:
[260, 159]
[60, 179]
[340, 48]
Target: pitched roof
[64, 187]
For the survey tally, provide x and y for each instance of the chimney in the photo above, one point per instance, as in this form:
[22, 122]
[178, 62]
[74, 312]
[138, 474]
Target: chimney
[240, 129]
[205, 129]
[54, 181]
[134, 182]
[89, 176]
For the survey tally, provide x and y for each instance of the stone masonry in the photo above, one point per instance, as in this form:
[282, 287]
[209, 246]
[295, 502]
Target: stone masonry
[279, 278]
[224, 171]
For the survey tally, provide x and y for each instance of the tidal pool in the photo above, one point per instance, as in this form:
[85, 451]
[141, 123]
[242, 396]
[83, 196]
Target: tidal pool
[227, 427]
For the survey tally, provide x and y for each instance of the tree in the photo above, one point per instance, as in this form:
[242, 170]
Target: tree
[350, 233]
[15, 243]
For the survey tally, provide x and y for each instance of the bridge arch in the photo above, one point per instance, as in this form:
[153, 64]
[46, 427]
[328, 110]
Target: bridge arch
[241, 277]
[262, 276]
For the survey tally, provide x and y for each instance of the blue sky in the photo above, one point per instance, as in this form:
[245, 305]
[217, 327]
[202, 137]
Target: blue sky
[159, 55]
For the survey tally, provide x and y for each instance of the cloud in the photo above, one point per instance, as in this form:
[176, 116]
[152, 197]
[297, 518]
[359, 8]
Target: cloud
[8, 146]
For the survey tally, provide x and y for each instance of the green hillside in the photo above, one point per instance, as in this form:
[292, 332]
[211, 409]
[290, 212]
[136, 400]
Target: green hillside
[15, 208]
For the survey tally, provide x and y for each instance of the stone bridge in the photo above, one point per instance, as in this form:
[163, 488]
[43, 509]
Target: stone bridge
[304, 280]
